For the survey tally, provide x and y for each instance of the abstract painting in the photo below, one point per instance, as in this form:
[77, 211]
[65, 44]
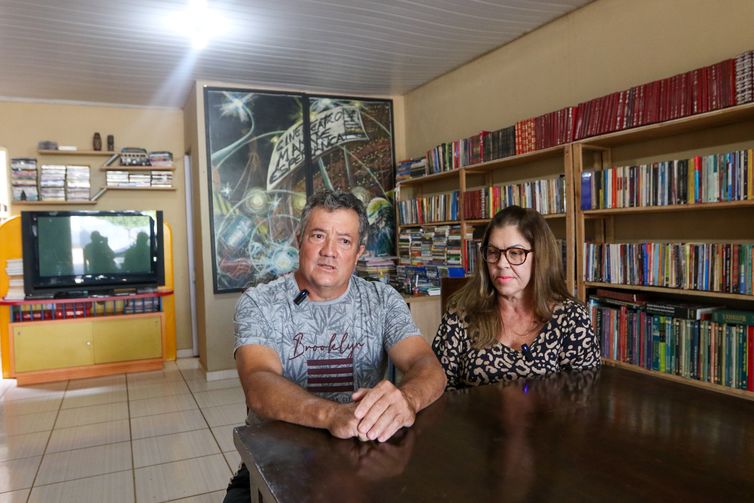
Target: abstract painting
[260, 170]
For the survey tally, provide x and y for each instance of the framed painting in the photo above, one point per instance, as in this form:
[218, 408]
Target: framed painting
[265, 155]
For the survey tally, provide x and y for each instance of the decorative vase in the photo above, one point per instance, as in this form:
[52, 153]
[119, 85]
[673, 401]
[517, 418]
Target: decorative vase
[110, 143]
[97, 142]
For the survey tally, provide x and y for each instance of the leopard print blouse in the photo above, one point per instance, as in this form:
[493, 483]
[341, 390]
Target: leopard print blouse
[567, 341]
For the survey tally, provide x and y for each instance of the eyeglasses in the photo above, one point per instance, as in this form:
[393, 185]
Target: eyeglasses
[514, 255]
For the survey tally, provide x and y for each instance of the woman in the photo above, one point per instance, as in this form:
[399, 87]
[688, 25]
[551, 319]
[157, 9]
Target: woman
[515, 318]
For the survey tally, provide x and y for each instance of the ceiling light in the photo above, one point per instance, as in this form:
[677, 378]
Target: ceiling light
[200, 23]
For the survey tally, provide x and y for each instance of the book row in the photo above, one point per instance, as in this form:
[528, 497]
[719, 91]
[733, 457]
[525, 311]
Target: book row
[706, 350]
[546, 195]
[443, 207]
[702, 179]
[720, 85]
[483, 147]
[154, 178]
[48, 182]
[711, 267]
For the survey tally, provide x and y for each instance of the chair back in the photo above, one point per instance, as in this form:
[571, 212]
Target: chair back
[447, 287]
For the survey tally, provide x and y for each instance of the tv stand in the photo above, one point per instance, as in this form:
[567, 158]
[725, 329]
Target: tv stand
[57, 339]
[51, 339]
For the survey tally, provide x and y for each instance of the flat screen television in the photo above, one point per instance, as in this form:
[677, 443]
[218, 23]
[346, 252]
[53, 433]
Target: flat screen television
[73, 253]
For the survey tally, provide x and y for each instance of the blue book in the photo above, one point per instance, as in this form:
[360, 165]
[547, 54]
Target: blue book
[586, 190]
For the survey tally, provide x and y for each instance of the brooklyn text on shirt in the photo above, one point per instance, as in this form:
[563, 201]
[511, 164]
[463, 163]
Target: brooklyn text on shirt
[337, 344]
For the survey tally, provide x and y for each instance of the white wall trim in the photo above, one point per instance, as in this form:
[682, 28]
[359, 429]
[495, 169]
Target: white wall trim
[185, 353]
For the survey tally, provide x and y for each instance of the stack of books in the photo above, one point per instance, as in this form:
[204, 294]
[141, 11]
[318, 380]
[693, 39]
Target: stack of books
[23, 179]
[411, 168]
[77, 183]
[117, 178]
[164, 159]
[52, 182]
[14, 268]
[162, 179]
[377, 268]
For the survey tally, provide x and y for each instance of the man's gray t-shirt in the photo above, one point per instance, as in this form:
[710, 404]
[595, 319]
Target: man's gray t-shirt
[330, 348]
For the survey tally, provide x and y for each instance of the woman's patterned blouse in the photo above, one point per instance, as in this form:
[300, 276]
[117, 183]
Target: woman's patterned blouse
[567, 341]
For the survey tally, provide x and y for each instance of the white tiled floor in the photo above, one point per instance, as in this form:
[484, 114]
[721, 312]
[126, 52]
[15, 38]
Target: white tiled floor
[146, 437]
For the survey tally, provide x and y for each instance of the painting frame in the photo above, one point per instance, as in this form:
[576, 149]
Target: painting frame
[286, 188]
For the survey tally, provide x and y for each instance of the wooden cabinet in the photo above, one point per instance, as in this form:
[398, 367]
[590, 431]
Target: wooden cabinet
[83, 338]
[426, 313]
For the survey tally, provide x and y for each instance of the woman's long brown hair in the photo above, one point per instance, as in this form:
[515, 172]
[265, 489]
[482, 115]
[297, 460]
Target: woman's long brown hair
[476, 301]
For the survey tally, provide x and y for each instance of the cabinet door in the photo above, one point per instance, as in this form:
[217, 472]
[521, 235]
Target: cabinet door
[426, 314]
[127, 338]
[44, 346]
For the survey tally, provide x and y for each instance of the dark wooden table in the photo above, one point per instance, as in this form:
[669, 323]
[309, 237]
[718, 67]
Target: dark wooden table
[610, 435]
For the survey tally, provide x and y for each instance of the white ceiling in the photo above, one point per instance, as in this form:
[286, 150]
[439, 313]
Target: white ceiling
[126, 52]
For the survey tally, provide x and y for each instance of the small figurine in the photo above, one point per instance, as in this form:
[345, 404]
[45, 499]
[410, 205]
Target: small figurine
[97, 142]
[110, 143]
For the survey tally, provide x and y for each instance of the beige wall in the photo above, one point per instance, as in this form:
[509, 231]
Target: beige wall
[24, 124]
[606, 46]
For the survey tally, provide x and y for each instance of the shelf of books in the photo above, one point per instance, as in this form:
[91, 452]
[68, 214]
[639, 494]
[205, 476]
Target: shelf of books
[665, 259]
[442, 215]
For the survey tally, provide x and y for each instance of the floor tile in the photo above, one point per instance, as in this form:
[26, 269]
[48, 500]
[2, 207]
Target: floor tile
[97, 382]
[154, 376]
[175, 447]
[204, 385]
[219, 397]
[99, 390]
[224, 437]
[29, 406]
[18, 473]
[49, 390]
[109, 488]
[194, 374]
[23, 446]
[28, 423]
[181, 479]
[233, 458]
[90, 435]
[164, 424]
[80, 463]
[234, 413]
[214, 497]
[188, 363]
[162, 405]
[68, 418]
[140, 391]
[99, 398]
[22, 495]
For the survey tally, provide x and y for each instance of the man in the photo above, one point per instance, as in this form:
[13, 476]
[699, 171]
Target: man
[311, 347]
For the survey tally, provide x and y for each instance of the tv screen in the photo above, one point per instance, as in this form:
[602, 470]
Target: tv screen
[75, 252]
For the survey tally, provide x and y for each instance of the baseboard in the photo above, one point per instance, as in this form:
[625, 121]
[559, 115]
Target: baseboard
[185, 353]
[217, 375]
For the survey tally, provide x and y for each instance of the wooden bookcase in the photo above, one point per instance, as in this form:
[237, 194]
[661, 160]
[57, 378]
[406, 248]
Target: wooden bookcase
[536, 165]
[716, 132]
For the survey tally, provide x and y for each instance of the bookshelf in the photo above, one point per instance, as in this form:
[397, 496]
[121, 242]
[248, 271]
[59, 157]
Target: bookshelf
[696, 235]
[533, 176]
[157, 177]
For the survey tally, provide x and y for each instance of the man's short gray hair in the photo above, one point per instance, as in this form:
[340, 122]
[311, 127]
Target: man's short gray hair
[334, 200]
